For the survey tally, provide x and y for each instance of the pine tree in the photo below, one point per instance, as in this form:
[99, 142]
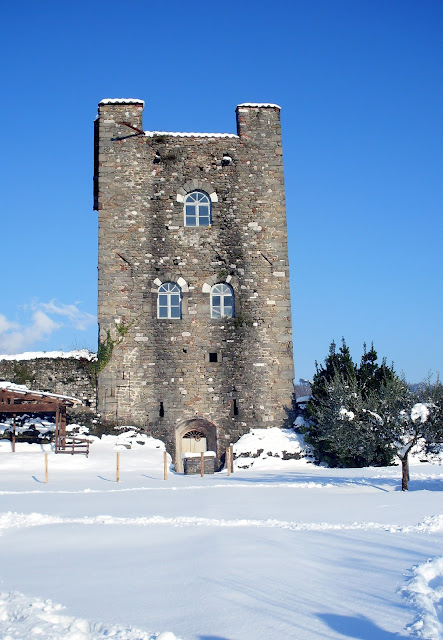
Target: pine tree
[432, 394]
[367, 415]
[370, 374]
[340, 362]
[330, 412]
[345, 428]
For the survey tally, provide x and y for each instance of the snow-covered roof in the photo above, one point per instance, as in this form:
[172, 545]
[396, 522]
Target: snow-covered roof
[23, 390]
[259, 104]
[122, 101]
[179, 134]
[33, 355]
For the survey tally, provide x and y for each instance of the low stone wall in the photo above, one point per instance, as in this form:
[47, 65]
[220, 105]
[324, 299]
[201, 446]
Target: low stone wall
[65, 376]
[192, 465]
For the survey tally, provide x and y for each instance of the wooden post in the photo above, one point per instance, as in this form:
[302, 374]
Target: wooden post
[13, 433]
[118, 467]
[57, 427]
[202, 462]
[165, 465]
[56, 434]
[231, 457]
[62, 427]
[46, 469]
[227, 460]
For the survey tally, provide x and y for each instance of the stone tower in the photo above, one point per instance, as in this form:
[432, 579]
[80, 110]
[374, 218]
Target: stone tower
[193, 282]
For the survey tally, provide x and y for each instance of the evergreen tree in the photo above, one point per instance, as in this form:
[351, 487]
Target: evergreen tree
[340, 362]
[371, 376]
[432, 394]
[345, 428]
[367, 415]
[341, 430]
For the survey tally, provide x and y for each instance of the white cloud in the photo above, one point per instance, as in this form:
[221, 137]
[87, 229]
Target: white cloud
[20, 336]
[80, 320]
[6, 325]
[14, 338]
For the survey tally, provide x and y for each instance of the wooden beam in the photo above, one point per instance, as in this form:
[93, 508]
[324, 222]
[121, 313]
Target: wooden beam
[28, 407]
[12, 397]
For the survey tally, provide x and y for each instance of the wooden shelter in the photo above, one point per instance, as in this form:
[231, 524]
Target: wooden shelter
[18, 400]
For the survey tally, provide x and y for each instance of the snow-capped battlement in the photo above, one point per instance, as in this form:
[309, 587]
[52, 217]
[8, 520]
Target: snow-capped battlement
[122, 101]
[262, 105]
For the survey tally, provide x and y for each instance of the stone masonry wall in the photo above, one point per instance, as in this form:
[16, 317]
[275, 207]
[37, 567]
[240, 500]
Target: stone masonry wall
[64, 376]
[159, 375]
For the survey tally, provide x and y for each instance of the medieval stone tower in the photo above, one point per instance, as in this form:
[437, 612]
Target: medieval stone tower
[193, 285]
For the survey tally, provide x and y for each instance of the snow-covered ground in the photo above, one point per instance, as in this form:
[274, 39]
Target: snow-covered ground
[283, 549]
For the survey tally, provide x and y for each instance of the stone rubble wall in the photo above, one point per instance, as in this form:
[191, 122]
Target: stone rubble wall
[192, 466]
[64, 376]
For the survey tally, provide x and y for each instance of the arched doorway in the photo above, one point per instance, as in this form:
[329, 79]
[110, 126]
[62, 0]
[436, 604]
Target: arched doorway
[194, 435]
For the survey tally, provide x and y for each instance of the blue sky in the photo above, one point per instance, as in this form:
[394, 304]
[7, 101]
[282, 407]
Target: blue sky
[361, 94]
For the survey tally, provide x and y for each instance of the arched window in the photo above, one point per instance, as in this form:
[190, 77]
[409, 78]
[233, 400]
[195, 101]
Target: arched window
[197, 209]
[169, 301]
[222, 301]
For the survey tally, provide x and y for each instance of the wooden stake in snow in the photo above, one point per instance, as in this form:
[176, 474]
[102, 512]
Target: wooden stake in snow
[202, 462]
[231, 457]
[227, 460]
[13, 433]
[46, 469]
[165, 465]
[118, 467]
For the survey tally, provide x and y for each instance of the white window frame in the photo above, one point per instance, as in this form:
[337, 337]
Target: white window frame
[198, 199]
[222, 290]
[169, 289]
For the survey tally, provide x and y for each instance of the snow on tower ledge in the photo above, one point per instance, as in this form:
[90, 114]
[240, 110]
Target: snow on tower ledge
[178, 134]
[122, 101]
[259, 104]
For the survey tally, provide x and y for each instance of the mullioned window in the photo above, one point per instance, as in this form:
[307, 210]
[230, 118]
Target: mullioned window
[169, 301]
[222, 301]
[197, 209]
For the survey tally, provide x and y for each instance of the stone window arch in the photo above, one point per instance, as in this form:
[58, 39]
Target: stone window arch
[209, 282]
[222, 300]
[197, 209]
[197, 185]
[169, 301]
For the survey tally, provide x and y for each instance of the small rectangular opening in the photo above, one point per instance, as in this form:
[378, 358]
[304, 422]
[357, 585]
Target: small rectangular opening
[161, 410]
[213, 357]
[234, 407]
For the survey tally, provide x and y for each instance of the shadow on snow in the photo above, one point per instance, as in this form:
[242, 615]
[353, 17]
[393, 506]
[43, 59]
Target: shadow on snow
[386, 484]
[358, 627]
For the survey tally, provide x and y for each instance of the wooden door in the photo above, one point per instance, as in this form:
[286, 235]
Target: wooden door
[194, 442]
